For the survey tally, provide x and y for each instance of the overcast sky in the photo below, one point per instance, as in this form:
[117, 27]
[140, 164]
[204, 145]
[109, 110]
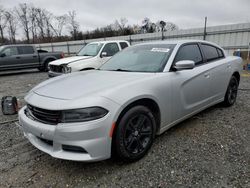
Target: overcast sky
[184, 13]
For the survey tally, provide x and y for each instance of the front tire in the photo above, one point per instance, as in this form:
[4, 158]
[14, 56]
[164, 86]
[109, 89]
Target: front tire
[135, 134]
[231, 93]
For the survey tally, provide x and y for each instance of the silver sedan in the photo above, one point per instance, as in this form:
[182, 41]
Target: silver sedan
[119, 108]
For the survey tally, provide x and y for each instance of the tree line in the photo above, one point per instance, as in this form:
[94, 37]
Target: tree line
[39, 25]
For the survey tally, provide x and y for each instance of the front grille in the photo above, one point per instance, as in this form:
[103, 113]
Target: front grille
[55, 68]
[42, 115]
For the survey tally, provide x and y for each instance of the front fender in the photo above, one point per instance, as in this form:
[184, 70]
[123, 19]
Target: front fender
[132, 100]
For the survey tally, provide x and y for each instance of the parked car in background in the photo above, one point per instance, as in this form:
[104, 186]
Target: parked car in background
[91, 56]
[21, 56]
[119, 108]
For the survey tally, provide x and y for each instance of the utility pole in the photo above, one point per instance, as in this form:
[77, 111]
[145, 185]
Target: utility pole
[205, 29]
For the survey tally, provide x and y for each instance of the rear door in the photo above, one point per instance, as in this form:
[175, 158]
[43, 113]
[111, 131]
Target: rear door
[123, 45]
[28, 56]
[9, 58]
[217, 67]
[190, 87]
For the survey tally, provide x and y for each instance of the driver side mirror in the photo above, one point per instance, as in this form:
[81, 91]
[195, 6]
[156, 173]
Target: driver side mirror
[184, 65]
[104, 54]
[3, 55]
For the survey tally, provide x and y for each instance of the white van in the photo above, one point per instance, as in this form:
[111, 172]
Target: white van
[91, 56]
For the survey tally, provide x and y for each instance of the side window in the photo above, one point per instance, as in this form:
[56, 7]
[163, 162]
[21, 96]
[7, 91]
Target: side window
[123, 45]
[111, 49]
[210, 52]
[10, 51]
[26, 50]
[189, 52]
[220, 52]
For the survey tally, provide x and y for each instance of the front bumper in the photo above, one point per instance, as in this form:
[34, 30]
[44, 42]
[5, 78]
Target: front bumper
[92, 136]
[54, 74]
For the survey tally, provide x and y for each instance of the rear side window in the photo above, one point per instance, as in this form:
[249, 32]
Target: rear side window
[210, 52]
[221, 55]
[111, 49]
[123, 45]
[189, 52]
[26, 50]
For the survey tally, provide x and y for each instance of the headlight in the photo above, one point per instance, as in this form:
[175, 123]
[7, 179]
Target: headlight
[84, 114]
[66, 69]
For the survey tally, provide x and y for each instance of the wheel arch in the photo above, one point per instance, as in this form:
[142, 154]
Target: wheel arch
[48, 59]
[150, 103]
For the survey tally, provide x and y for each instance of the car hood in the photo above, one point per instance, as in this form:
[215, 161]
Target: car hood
[68, 60]
[87, 83]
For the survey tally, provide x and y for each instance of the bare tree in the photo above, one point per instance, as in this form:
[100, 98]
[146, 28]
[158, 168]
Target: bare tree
[58, 25]
[47, 22]
[121, 25]
[11, 25]
[23, 15]
[3, 23]
[73, 24]
[33, 22]
[145, 25]
[171, 26]
[40, 22]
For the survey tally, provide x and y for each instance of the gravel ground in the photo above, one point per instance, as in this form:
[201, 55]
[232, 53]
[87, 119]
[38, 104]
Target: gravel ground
[211, 149]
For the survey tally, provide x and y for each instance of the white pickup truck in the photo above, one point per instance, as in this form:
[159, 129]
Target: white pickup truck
[91, 56]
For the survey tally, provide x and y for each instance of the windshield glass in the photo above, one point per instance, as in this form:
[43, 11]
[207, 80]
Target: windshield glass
[1, 48]
[141, 58]
[90, 49]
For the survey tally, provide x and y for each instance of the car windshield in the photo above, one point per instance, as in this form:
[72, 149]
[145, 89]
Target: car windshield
[141, 58]
[1, 48]
[90, 50]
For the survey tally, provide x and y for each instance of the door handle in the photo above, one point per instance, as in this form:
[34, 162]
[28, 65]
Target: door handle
[34, 56]
[18, 57]
[207, 75]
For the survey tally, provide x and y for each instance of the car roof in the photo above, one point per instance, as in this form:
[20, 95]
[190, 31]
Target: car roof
[10, 45]
[108, 41]
[179, 42]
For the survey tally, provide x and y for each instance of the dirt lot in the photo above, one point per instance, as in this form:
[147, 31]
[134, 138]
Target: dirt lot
[211, 149]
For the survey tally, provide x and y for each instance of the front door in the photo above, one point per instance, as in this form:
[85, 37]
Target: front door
[109, 50]
[9, 58]
[190, 88]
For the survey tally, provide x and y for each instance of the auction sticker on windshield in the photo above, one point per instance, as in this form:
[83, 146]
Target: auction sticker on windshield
[165, 50]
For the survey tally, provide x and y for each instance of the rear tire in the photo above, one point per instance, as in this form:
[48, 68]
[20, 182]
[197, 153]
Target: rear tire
[231, 94]
[134, 134]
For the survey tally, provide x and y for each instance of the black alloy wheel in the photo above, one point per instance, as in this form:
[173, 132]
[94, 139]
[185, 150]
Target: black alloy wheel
[138, 133]
[135, 133]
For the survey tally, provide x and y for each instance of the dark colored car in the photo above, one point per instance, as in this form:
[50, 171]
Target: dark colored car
[23, 56]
